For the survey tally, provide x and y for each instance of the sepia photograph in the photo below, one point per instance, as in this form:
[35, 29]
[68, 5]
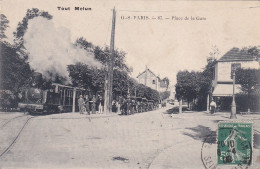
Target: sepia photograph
[117, 84]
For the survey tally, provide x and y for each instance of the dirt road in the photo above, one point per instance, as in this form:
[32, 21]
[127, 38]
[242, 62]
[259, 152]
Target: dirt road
[70, 140]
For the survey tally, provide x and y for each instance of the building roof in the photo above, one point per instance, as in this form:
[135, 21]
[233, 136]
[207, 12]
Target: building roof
[235, 54]
[145, 71]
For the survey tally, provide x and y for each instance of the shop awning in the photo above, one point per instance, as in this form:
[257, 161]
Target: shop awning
[226, 90]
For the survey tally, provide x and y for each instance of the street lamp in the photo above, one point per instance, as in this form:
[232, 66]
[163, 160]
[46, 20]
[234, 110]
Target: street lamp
[233, 106]
[233, 76]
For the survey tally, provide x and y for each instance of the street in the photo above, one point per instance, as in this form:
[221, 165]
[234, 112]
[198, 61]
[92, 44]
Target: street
[155, 139]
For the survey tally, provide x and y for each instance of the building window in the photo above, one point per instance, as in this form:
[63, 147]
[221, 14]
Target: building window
[153, 81]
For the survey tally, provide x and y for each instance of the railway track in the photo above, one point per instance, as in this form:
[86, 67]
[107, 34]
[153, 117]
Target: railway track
[9, 120]
[15, 139]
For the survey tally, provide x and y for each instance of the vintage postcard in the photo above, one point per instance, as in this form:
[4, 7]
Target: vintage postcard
[129, 84]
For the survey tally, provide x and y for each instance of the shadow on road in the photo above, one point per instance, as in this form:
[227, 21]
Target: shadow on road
[175, 110]
[202, 133]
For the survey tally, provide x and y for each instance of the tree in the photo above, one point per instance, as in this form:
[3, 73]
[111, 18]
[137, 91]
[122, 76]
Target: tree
[205, 81]
[93, 78]
[121, 82]
[166, 81]
[102, 54]
[164, 95]
[15, 72]
[86, 77]
[3, 25]
[187, 86]
[249, 79]
[253, 51]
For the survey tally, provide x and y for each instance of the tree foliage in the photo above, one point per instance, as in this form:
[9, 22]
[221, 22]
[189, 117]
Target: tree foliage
[102, 54]
[164, 95]
[253, 51]
[86, 77]
[93, 80]
[187, 86]
[15, 71]
[166, 81]
[3, 26]
[195, 86]
[249, 79]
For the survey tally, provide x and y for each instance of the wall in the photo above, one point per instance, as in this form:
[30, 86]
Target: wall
[223, 71]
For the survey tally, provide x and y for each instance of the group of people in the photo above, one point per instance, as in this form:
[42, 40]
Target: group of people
[122, 105]
[93, 104]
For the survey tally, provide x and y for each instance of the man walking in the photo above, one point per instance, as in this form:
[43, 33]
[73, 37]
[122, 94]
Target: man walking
[94, 104]
[212, 107]
[100, 105]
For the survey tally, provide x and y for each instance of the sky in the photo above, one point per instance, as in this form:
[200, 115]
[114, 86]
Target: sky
[165, 46]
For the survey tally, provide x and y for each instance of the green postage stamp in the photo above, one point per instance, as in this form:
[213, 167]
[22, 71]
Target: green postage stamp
[234, 143]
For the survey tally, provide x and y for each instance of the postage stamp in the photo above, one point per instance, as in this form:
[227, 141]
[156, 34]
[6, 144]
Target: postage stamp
[234, 143]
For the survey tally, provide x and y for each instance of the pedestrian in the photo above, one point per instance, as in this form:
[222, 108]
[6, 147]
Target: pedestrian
[100, 105]
[87, 104]
[114, 106]
[94, 104]
[120, 102]
[213, 107]
[128, 103]
[81, 104]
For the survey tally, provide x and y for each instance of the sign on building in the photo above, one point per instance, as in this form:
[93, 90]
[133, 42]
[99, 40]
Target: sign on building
[234, 67]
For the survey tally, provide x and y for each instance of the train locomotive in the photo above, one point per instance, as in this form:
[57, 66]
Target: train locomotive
[59, 98]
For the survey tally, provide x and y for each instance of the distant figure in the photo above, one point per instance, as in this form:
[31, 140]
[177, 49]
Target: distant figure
[94, 104]
[114, 106]
[87, 104]
[213, 107]
[100, 104]
[128, 103]
[120, 103]
[81, 104]
[123, 106]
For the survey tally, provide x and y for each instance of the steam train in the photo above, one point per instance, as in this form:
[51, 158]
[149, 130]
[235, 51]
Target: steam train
[59, 98]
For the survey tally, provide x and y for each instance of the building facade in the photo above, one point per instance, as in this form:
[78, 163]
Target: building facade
[223, 83]
[149, 79]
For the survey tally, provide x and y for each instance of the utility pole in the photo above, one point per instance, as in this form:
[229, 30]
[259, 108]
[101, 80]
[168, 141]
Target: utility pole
[109, 79]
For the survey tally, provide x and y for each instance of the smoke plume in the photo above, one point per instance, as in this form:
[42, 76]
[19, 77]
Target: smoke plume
[51, 50]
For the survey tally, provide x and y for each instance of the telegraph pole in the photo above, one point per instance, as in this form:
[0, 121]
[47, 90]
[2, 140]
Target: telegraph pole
[109, 79]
